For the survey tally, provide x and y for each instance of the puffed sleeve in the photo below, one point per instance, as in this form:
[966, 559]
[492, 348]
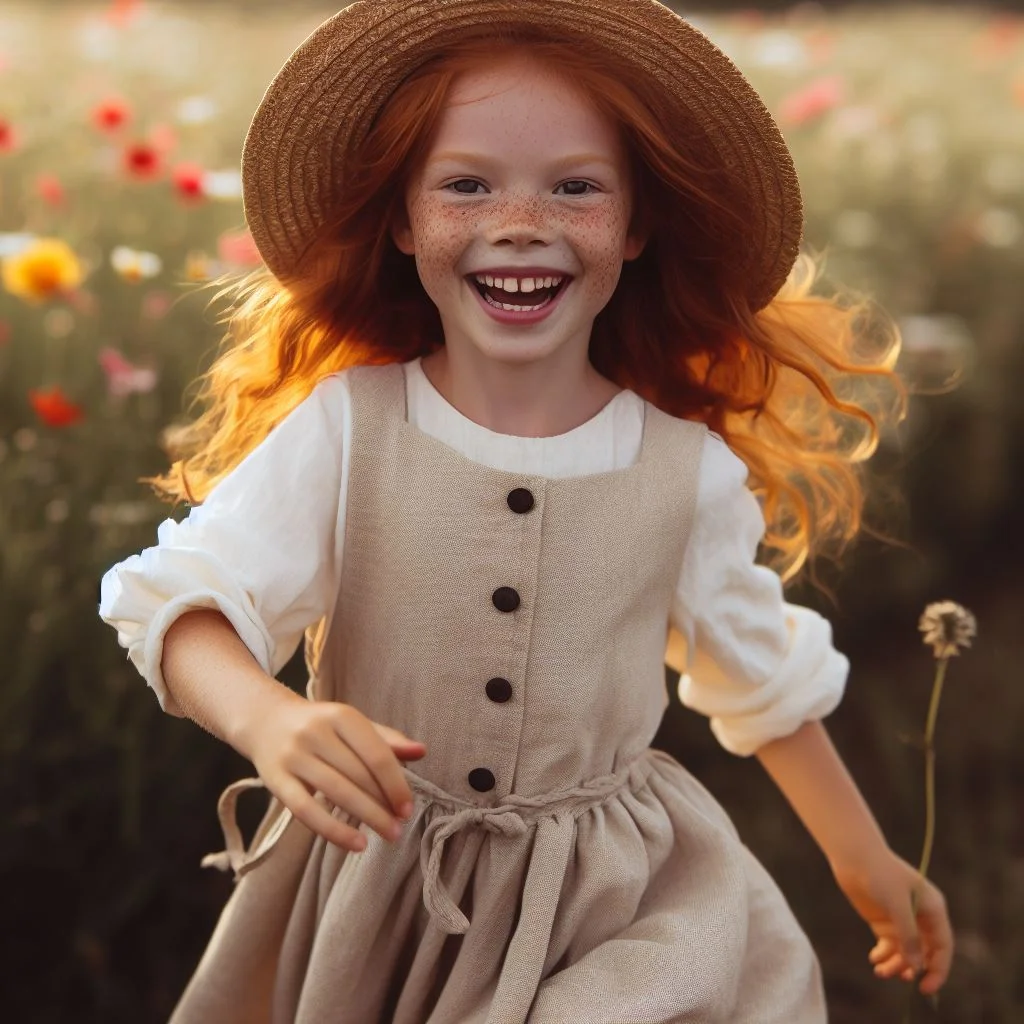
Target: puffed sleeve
[757, 666]
[261, 548]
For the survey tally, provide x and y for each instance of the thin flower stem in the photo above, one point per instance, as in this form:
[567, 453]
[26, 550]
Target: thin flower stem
[929, 774]
[929, 802]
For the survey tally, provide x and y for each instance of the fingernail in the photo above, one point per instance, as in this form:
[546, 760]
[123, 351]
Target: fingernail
[405, 811]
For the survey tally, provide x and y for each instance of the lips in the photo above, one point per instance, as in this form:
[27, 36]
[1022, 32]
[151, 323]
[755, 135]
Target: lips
[522, 317]
[525, 298]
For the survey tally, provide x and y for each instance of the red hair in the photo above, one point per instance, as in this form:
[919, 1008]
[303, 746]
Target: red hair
[789, 387]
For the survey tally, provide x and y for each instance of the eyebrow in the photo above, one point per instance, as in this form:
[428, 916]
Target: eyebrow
[566, 161]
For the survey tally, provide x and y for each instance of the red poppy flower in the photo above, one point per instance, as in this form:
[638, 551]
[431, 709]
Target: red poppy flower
[141, 160]
[8, 136]
[188, 180]
[111, 114]
[53, 407]
[50, 190]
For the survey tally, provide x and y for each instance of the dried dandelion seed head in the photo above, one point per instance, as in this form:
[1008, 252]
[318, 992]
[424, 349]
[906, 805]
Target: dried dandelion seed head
[947, 626]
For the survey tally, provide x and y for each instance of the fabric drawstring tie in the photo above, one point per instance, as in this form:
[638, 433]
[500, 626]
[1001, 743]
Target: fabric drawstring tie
[233, 857]
[512, 818]
[550, 812]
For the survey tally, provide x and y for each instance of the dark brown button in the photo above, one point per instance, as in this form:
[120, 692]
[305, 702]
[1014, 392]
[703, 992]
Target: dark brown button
[520, 500]
[505, 599]
[481, 780]
[499, 690]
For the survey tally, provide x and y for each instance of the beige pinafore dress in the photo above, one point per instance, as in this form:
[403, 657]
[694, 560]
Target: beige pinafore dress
[557, 869]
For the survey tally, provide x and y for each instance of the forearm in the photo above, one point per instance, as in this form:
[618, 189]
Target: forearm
[214, 678]
[812, 776]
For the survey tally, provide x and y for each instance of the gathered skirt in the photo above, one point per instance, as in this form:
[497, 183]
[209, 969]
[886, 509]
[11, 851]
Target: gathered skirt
[628, 899]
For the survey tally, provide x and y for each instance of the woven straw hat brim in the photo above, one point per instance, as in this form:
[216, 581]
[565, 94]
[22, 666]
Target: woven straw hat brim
[321, 104]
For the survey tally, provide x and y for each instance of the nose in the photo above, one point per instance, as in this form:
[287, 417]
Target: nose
[519, 220]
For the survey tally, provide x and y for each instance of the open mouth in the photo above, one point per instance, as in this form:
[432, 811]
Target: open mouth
[518, 301]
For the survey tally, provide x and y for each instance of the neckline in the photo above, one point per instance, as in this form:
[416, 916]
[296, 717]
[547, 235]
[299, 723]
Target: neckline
[415, 366]
[429, 439]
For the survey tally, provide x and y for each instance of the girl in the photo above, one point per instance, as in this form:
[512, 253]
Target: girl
[520, 258]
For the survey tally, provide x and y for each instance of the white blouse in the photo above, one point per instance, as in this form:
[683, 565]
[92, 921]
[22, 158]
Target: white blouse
[266, 548]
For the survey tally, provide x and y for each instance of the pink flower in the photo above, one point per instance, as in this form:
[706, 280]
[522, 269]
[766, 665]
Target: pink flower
[50, 190]
[124, 377]
[238, 249]
[155, 305]
[163, 138]
[1000, 37]
[121, 12]
[813, 100]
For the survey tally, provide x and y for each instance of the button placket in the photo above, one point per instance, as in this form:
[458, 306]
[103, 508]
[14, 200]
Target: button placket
[506, 599]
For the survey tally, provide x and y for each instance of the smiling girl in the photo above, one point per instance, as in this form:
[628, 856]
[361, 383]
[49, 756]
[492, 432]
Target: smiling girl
[520, 257]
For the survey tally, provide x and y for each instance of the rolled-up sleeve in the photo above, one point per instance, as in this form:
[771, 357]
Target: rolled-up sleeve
[757, 666]
[261, 548]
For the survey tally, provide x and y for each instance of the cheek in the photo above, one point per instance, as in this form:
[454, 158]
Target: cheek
[441, 233]
[599, 236]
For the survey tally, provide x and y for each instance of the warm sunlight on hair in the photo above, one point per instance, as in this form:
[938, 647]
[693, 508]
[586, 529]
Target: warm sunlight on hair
[799, 390]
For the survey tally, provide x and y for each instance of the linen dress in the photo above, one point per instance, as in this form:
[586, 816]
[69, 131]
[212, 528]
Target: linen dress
[556, 867]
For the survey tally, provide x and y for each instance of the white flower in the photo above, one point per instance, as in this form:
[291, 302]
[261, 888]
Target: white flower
[947, 626]
[222, 184]
[196, 110]
[133, 264]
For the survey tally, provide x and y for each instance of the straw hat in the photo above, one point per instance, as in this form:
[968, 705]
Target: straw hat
[321, 104]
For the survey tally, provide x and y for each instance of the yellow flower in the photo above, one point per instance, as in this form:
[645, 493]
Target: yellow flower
[42, 270]
[947, 626]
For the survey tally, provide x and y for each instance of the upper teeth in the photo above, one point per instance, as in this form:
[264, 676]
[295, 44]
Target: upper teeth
[515, 284]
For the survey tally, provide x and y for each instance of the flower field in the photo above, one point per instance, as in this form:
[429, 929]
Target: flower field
[121, 128]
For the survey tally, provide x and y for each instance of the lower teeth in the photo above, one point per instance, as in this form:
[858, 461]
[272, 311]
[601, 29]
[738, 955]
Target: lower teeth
[516, 309]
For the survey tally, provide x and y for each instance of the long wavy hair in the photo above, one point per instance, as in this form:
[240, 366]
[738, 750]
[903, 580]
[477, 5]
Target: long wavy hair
[799, 390]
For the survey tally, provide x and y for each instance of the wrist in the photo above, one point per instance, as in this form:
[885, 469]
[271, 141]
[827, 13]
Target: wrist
[858, 858]
[269, 699]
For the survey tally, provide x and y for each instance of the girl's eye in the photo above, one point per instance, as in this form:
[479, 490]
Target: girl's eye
[470, 181]
[585, 184]
[463, 181]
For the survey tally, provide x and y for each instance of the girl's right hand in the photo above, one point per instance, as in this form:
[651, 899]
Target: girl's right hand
[299, 746]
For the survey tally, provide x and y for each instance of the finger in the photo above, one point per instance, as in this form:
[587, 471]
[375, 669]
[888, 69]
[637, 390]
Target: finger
[317, 818]
[938, 939]
[403, 748]
[346, 795]
[882, 950]
[890, 967]
[907, 937]
[336, 753]
[372, 749]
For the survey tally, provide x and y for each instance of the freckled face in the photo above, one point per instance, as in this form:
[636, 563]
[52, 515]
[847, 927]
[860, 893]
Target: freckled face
[522, 172]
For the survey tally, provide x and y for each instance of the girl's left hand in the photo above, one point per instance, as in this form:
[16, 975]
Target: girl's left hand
[880, 892]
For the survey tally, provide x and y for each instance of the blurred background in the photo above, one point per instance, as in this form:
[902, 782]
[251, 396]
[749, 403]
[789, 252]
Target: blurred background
[121, 128]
